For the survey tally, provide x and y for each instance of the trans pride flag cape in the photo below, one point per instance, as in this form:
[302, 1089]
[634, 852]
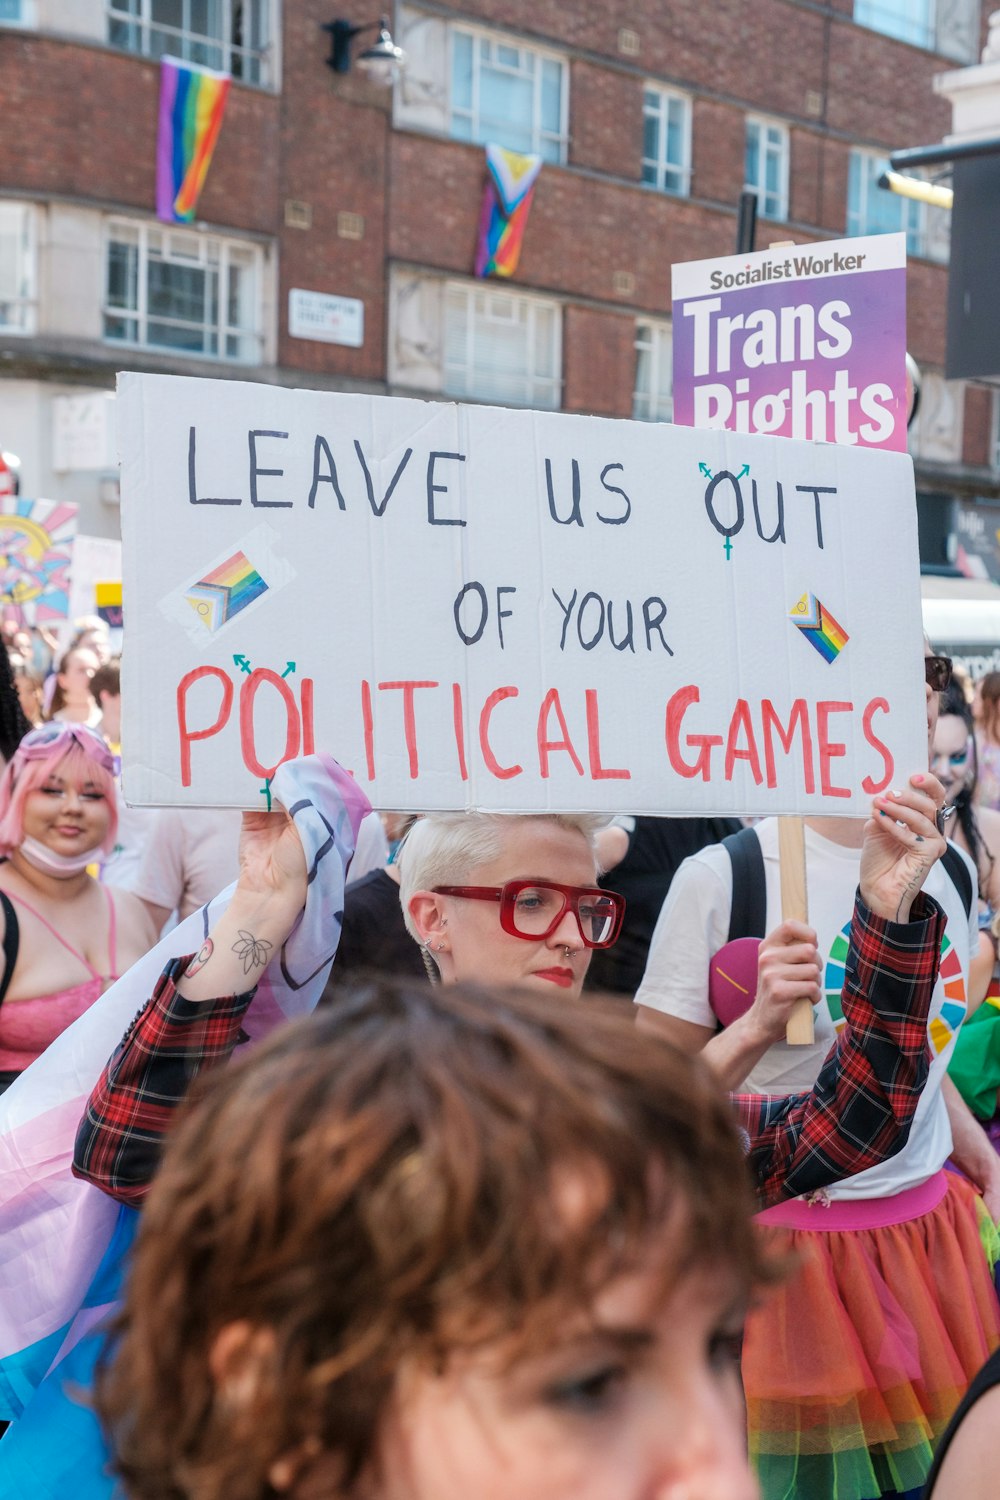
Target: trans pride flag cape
[192, 101]
[507, 199]
[55, 1231]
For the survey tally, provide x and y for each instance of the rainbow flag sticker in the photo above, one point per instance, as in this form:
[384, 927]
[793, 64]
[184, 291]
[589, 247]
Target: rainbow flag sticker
[819, 627]
[225, 591]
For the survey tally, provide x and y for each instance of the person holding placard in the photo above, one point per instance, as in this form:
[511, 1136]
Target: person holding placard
[512, 901]
[853, 1369]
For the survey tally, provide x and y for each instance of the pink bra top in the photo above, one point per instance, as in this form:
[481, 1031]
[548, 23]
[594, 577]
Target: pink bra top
[27, 1027]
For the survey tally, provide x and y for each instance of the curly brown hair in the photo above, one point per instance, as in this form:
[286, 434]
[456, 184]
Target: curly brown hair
[379, 1185]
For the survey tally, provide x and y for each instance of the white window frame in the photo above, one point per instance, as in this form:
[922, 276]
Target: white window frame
[773, 138]
[539, 138]
[25, 15]
[669, 177]
[26, 300]
[537, 387]
[914, 215]
[655, 338]
[140, 233]
[876, 15]
[156, 39]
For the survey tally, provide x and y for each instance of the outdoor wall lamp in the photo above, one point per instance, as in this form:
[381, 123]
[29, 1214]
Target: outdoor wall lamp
[381, 61]
[915, 187]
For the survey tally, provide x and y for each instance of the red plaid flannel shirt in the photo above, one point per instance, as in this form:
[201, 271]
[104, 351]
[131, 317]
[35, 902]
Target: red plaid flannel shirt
[128, 1114]
[859, 1112]
[863, 1102]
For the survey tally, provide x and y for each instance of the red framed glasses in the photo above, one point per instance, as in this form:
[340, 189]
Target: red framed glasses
[533, 909]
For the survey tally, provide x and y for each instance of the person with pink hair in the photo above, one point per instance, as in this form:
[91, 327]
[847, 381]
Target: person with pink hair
[65, 938]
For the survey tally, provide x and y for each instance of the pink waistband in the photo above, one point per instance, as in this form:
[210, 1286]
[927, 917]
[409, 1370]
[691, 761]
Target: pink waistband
[858, 1213]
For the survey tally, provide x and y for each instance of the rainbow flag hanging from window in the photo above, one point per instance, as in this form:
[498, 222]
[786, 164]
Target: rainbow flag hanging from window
[192, 101]
[510, 186]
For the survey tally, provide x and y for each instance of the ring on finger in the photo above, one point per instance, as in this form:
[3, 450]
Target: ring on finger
[941, 817]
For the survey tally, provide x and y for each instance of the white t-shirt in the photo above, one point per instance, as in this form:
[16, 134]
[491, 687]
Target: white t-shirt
[192, 853]
[694, 925]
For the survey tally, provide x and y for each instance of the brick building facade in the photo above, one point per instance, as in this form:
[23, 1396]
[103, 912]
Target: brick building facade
[651, 118]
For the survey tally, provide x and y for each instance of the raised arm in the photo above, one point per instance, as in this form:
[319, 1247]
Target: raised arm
[862, 1106]
[193, 1019]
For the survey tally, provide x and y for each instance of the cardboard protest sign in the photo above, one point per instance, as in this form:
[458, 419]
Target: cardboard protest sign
[36, 554]
[473, 607]
[806, 341]
[95, 558]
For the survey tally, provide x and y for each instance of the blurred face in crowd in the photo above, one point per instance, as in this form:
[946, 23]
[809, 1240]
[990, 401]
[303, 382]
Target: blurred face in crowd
[952, 754]
[29, 692]
[74, 679]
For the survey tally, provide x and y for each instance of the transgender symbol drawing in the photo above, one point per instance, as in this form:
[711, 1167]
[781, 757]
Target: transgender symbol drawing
[225, 591]
[819, 627]
[36, 551]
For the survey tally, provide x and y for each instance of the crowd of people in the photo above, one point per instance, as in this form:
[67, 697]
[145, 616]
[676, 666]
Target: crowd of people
[480, 1227]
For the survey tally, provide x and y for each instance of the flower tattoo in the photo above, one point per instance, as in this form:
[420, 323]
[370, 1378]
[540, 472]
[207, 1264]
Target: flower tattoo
[253, 951]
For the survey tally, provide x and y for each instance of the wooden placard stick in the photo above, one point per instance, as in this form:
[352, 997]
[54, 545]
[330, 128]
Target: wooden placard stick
[795, 906]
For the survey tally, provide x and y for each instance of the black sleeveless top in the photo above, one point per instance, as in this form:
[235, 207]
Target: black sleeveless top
[988, 1377]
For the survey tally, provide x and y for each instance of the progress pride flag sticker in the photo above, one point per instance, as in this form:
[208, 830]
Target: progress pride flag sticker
[805, 342]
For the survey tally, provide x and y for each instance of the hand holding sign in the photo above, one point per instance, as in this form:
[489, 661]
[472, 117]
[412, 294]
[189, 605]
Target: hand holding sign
[760, 983]
[272, 865]
[902, 843]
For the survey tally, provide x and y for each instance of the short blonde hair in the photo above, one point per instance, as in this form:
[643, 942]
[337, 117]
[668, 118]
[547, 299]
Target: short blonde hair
[442, 848]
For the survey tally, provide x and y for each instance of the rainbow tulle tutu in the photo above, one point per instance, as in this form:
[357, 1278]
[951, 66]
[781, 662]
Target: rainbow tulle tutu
[855, 1363]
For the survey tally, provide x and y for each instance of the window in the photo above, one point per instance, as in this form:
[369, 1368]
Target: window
[875, 210]
[17, 268]
[501, 347]
[188, 293]
[653, 399]
[906, 20]
[232, 36]
[507, 95]
[765, 168]
[666, 141]
[13, 13]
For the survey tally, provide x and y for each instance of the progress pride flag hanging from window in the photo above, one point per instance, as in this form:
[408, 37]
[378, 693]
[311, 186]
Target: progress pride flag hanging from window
[192, 102]
[509, 189]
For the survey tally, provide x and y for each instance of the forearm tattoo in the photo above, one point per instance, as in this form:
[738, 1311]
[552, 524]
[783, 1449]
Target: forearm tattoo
[200, 959]
[912, 886]
[254, 952]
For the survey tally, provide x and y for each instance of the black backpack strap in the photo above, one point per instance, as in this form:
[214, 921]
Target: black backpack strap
[11, 942]
[749, 910]
[958, 873]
